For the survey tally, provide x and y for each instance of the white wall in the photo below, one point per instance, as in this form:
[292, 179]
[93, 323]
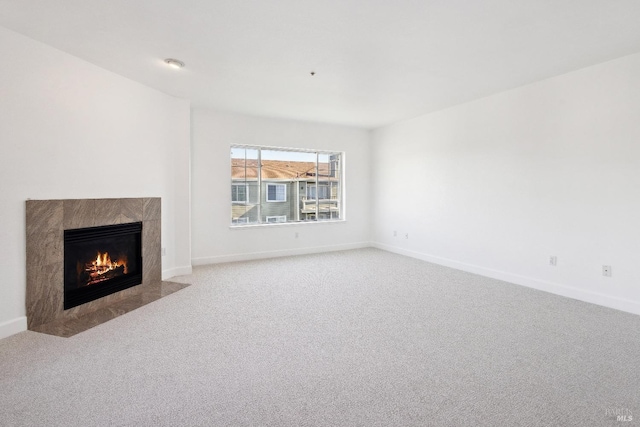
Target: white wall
[498, 185]
[214, 241]
[69, 129]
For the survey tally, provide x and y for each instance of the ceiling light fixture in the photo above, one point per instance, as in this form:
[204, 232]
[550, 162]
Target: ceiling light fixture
[174, 63]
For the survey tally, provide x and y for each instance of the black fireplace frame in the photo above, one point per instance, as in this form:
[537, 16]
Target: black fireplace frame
[78, 296]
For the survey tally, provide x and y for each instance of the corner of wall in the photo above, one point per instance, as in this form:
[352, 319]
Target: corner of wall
[12, 327]
[176, 271]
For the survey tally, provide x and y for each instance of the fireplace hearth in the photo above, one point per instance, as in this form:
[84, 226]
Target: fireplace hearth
[99, 261]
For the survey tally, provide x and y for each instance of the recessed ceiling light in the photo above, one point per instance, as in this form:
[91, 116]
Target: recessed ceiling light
[174, 63]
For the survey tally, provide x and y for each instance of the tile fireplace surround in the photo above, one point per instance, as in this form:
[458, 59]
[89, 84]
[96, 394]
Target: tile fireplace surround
[46, 221]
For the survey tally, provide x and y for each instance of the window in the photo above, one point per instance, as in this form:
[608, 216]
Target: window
[323, 192]
[279, 218]
[276, 193]
[270, 185]
[239, 192]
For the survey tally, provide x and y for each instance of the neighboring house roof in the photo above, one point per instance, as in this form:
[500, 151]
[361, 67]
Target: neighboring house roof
[276, 169]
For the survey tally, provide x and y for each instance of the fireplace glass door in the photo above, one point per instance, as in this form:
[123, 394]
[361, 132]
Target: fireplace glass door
[99, 261]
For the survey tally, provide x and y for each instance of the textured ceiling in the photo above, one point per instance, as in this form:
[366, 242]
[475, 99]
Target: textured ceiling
[376, 62]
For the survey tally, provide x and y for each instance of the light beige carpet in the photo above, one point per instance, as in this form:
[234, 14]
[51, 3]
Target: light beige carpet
[361, 337]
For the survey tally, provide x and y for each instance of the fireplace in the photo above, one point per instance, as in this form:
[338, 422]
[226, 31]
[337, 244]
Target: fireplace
[99, 261]
[46, 223]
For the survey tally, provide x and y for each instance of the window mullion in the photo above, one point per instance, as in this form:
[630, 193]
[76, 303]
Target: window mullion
[259, 186]
[317, 187]
[339, 183]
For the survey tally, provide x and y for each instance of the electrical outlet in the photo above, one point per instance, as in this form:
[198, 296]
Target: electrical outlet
[296, 235]
[553, 260]
[395, 233]
[606, 270]
[406, 235]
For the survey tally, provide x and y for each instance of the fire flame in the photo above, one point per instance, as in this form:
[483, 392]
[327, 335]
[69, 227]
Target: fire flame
[102, 265]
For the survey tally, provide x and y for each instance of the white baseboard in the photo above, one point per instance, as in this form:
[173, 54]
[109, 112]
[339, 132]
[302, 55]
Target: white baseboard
[12, 327]
[177, 271]
[279, 253]
[621, 304]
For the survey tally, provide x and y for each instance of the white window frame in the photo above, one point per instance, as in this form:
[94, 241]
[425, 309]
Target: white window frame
[244, 220]
[296, 193]
[276, 219]
[246, 193]
[276, 185]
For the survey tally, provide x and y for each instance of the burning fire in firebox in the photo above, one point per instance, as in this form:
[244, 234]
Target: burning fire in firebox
[103, 268]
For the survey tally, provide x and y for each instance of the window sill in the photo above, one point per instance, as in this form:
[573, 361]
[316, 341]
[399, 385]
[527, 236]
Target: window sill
[285, 224]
